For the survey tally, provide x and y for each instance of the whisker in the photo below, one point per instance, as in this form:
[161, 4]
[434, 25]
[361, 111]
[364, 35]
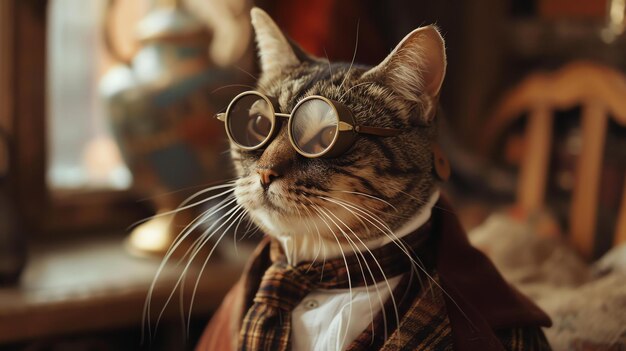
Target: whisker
[308, 231]
[317, 208]
[350, 89]
[369, 196]
[356, 46]
[413, 272]
[196, 247]
[195, 288]
[357, 251]
[321, 245]
[365, 226]
[233, 86]
[183, 206]
[379, 267]
[190, 228]
[419, 201]
[394, 239]
[219, 182]
[330, 70]
[241, 218]
[147, 305]
[385, 228]
[249, 232]
[204, 241]
[246, 72]
[176, 243]
[206, 216]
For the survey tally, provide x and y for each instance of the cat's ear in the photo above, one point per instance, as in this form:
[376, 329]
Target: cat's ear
[416, 67]
[275, 51]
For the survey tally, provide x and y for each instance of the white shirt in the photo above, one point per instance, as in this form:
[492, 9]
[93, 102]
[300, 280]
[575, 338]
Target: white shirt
[332, 319]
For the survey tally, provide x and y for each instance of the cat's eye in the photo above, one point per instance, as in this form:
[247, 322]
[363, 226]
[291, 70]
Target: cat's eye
[318, 127]
[250, 120]
[259, 126]
[326, 137]
[313, 126]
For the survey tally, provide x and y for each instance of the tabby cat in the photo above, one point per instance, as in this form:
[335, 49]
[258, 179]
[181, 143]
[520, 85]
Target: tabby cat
[372, 211]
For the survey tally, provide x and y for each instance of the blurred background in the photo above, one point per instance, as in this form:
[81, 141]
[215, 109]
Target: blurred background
[106, 113]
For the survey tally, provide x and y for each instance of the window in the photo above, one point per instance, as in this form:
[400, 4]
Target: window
[81, 151]
[69, 206]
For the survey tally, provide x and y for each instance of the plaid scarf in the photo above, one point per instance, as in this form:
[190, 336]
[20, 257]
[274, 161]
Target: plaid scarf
[423, 325]
[267, 323]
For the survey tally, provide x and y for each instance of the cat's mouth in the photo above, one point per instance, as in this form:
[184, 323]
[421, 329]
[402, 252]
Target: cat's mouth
[273, 199]
[268, 202]
[283, 209]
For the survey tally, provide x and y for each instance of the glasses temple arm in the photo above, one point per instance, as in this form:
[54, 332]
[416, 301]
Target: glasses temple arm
[383, 132]
[222, 116]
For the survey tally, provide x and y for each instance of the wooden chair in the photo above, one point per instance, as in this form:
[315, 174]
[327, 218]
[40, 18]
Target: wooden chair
[600, 92]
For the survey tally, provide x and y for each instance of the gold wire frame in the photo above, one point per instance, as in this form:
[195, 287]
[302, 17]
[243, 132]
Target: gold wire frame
[346, 128]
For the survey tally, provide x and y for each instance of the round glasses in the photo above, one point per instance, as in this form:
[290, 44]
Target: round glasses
[317, 126]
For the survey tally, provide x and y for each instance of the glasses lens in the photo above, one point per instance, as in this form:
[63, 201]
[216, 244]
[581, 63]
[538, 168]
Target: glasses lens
[313, 126]
[250, 120]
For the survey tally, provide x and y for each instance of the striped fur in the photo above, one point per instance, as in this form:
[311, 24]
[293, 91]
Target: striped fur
[393, 176]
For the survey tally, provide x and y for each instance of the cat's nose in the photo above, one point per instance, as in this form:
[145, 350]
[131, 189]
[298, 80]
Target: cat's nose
[267, 176]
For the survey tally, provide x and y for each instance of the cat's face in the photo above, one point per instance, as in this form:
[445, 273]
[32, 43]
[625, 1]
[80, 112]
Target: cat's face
[379, 181]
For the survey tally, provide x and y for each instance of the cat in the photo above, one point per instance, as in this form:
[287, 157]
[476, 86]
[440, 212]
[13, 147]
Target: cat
[375, 195]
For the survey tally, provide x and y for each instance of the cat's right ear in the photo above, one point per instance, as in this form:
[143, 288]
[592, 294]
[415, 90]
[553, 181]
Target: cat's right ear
[275, 51]
[415, 69]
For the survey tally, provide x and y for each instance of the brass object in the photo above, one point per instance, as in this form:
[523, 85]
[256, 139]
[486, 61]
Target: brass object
[441, 164]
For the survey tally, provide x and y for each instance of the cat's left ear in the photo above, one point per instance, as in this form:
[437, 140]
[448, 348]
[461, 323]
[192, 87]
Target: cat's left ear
[276, 52]
[416, 68]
